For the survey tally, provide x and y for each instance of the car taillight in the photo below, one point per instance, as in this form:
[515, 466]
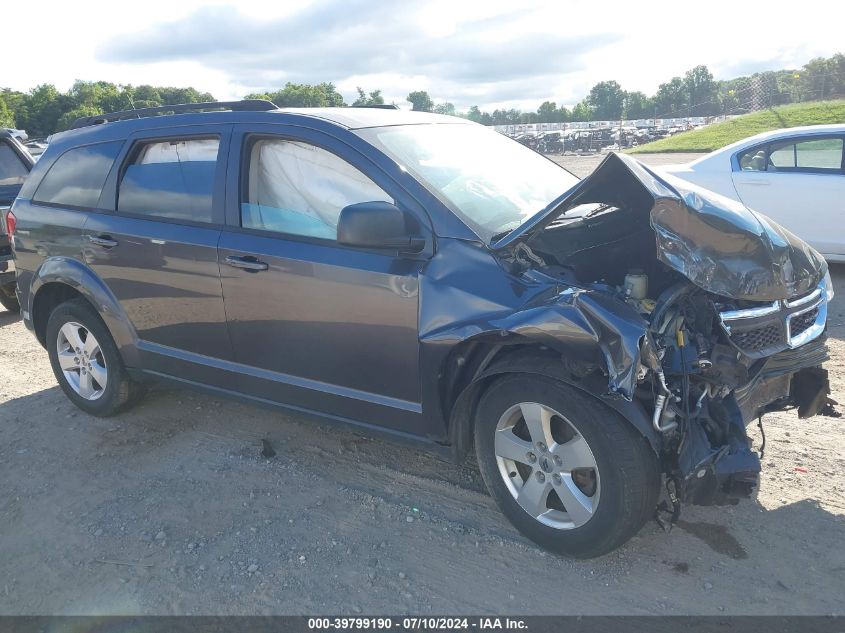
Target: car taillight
[11, 223]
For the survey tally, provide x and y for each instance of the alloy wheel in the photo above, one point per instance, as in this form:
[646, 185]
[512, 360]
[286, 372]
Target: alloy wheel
[81, 360]
[547, 466]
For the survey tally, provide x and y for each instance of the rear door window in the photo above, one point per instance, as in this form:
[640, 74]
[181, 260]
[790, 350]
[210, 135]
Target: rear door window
[808, 155]
[76, 178]
[823, 153]
[172, 179]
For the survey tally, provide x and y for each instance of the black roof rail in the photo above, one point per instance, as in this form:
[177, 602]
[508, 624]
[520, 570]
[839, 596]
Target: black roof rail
[380, 106]
[245, 105]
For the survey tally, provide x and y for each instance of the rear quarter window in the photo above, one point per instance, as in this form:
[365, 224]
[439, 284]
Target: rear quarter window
[802, 155]
[76, 178]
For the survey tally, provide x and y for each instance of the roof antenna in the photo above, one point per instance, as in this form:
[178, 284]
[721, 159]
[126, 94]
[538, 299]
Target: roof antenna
[132, 103]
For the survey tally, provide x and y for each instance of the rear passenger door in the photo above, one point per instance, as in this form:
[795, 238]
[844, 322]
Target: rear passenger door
[799, 183]
[157, 251]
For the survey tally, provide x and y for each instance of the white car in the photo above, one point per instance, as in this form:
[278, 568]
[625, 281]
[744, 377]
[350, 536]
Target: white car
[796, 176]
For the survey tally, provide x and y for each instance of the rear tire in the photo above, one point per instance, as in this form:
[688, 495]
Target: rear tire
[8, 299]
[582, 487]
[85, 360]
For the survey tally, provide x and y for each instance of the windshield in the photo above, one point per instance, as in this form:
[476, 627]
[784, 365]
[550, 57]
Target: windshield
[492, 182]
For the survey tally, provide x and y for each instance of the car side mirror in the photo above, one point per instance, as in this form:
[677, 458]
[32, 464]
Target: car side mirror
[379, 225]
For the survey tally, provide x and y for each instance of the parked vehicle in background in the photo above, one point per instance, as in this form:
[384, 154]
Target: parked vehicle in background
[20, 135]
[796, 176]
[529, 139]
[426, 277]
[15, 164]
[550, 142]
[36, 147]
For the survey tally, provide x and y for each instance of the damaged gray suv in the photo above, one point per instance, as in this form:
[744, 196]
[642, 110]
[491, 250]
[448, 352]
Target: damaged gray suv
[426, 278]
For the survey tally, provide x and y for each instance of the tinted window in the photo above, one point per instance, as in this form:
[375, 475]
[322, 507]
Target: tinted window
[809, 155]
[170, 179]
[823, 153]
[782, 156]
[12, 170]
[301, 189]
[753, 160]
[76, 178]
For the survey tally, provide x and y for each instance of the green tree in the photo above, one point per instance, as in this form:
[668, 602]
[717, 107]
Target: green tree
[16, 103]
[701, 92]
[836, 66]
[44, 107]
[172, 96]
[582, 112]
[563, 115]
[547, 112]
[638, 106]
[303, 96]
[421, 101]
[506, 117]
[67, 119]
[100, 95]
[146, 97]
[445, 108]
[823, 78]
[474, 114]
[671, 99]
[7, 117]
[364, 99]
[606, 101]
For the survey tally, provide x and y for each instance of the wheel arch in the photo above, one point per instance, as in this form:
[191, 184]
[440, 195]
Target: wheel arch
[60, 279]
[497, 359]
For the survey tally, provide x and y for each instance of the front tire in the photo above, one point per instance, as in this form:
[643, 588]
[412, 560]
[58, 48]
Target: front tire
[85, 360]
[568, 471]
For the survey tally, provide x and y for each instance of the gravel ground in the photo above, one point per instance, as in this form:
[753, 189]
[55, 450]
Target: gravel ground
[170, 509]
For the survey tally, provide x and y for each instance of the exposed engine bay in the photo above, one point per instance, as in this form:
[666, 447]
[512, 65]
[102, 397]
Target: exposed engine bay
[733, 316]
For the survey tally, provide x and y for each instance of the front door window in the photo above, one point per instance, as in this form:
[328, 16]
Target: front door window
[300, 189]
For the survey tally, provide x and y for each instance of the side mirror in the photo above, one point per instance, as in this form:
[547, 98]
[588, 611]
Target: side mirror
[379, 225]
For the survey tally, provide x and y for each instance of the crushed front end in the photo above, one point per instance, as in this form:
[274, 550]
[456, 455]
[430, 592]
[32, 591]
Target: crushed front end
[733, 310]
[718, 365]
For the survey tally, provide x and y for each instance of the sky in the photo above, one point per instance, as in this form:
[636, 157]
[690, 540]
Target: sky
[494, 54]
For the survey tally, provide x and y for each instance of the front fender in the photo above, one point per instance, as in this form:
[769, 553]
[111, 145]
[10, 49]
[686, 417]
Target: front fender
[460, 428]
[71, 272]
[593, 385]
[581, 324]
[481, 301]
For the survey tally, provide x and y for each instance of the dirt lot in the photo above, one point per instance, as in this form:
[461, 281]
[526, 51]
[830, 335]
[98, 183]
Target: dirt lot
[170, 508]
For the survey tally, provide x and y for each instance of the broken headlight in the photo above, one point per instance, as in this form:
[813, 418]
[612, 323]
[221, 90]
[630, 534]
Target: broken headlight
[827, 286]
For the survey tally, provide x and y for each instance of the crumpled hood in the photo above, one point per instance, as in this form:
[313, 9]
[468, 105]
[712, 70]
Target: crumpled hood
[717, 243]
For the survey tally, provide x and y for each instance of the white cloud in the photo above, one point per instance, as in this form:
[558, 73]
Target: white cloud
[491, 53]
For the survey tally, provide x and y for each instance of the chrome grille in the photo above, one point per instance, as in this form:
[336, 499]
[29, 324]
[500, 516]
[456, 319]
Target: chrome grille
[770, 328]
[758, 338]
[800, 323]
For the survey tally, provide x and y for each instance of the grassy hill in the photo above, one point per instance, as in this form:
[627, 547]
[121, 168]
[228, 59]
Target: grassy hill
[720, 134]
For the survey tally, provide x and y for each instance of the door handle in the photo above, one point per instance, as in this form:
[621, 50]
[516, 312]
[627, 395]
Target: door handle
[756, 183]
[247, 262]
[102, 240]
